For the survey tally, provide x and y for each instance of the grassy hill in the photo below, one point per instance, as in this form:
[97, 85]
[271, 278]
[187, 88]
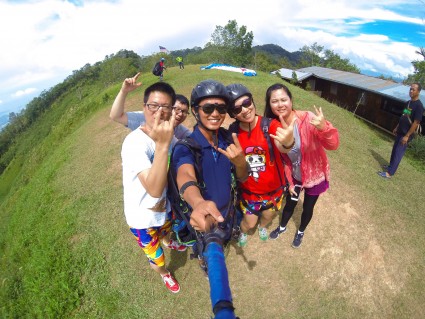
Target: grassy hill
[66, 251]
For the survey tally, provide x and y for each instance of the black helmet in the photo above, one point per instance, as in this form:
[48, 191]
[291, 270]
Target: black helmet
[235, 91]
[208, 88]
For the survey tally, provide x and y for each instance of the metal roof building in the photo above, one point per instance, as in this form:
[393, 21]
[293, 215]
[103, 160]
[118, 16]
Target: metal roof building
[378, 101]
[388, 88]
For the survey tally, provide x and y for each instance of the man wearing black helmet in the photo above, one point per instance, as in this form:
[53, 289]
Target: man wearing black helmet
[209, 105]
[208, 184]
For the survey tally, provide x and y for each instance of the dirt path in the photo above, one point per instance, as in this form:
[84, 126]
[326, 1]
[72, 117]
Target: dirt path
[348, 265]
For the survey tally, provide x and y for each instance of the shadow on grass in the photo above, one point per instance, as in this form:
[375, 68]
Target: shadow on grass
[239, 251]
[178, 259]
[378, 158]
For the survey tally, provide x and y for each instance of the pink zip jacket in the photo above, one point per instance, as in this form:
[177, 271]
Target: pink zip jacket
[314, 162]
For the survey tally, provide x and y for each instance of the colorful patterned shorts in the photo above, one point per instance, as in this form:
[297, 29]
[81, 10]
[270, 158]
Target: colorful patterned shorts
[150, 241]
[251, 207]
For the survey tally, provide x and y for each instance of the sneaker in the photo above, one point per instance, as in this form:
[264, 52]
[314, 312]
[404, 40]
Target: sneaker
[175, 245]
[385, 167]
[297, 240]
[171, 283]
[384, 175]
[242, 240]
[275, 233]
[262, 232]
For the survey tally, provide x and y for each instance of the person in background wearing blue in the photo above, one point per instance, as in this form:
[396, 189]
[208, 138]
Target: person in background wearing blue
[405, 129]
[133, 120]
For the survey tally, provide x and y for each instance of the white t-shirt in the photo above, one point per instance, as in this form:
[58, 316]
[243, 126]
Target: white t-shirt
[135, 119]
[141, 210]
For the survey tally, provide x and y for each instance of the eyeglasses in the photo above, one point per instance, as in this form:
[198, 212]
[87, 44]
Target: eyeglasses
[155, 107]
[184, 112]
[238, 108]
[209, 108]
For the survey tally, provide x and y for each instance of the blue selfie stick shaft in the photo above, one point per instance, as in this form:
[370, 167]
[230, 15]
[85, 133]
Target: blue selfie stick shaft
[219, 279]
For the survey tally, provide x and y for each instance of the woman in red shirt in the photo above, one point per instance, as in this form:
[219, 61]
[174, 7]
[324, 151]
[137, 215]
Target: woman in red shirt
[306, 164]
[262, 193]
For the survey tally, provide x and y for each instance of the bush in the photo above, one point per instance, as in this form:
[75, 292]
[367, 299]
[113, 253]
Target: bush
[417, 148]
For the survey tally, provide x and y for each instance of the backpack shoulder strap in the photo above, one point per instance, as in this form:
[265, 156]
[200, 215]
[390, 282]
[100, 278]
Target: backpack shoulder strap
[234, 127]
[195, 149]
[227, 134]
[181, 210]
[265, 126]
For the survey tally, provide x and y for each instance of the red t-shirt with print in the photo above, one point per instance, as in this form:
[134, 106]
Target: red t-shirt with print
[264, 178]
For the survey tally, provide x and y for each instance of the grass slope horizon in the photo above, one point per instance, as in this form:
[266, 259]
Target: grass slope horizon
[67, 252]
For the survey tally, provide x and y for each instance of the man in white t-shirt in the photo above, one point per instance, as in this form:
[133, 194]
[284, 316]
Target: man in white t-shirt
[133, 120]
[145, 152]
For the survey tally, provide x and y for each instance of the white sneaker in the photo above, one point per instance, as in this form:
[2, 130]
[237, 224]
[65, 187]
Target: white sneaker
[262, 232]
[242, 240]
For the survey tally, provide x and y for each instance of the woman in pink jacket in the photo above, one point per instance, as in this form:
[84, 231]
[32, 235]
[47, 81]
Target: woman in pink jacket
[306, 164]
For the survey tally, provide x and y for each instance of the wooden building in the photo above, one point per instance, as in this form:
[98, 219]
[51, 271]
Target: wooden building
[378, 101]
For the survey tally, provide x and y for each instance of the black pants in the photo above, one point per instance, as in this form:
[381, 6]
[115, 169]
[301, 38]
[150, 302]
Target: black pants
[307, 214]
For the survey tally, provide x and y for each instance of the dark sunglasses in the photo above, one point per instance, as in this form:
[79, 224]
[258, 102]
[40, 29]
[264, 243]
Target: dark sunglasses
[209, 108]
[245, 103]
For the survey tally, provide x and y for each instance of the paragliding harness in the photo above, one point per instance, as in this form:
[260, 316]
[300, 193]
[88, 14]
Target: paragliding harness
[265, 126]
[185, 233]
[157, 70]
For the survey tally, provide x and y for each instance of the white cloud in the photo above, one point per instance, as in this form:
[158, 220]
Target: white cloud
[27, 91]
[47, 39]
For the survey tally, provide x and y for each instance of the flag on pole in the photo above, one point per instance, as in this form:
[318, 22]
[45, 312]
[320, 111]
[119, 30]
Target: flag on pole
[162, 49]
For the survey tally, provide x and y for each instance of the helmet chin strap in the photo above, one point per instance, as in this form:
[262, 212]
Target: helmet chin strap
[214, 132]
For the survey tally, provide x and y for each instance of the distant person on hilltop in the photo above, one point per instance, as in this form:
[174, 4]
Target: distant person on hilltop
[133, 120]
[306, 164]
[405, 129]
[179, 59]
[162, 68]
[144, 154]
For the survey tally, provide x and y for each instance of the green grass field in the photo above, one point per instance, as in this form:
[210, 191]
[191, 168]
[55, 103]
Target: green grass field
[66, 251]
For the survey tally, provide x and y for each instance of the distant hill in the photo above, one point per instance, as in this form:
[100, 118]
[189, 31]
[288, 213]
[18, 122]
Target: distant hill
[278, 52]
[185, 52]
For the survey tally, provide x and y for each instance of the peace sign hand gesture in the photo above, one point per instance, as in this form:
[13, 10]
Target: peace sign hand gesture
[130, 84]
[318, 120]
[285, 134]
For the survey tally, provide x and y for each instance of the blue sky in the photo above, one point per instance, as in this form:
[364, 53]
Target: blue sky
[43, 41]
